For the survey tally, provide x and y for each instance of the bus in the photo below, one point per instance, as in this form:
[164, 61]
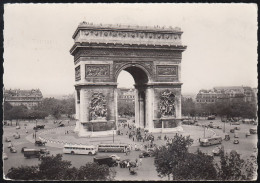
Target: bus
[210, 141]
[80, 149]
[112, 147]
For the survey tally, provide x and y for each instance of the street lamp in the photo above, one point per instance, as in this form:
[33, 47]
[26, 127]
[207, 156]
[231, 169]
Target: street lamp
[35, 129]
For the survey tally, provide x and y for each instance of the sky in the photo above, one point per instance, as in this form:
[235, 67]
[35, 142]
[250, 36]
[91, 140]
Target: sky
[221, 42]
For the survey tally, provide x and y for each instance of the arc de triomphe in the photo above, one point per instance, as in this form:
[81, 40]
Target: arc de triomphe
[152, 55]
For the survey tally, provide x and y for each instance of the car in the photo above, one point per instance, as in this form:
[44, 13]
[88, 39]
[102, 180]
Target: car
[212, 117]
[144, 154]
[44, 151]
[10, 145]
[236, 135]
[7, 139]
[216, 151]
[232, 130]
[219, 127]
[236, 141]
[13, 150]
[151, 151]
[237, 128]
[61, 125]
[210, 125]
[115, 157]
[17, 127]
[17, 136]
[215, 126]
[105, 160]
[40, 143]
[5, 157]
[248, 134]
[235, 123]
[38, 127]
[253, 131]
[22, 150]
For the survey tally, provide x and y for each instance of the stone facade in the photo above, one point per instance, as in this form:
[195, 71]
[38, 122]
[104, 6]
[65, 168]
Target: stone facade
[152, 55]
[28, 98]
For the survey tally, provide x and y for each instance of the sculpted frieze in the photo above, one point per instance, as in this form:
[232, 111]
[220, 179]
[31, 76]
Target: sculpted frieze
[98, 108]
[97, 70]
[128, 53]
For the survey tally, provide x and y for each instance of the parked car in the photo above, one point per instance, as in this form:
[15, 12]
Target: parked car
[227, 137]
[17, 127]
[232, 130]
[212, 117]
[216, 151]
[39, 127]
[13, 150]
[40, 143]
[215, 126]
[236, 141]
[235, 123]
[144, 154]
[219, 127]
[248, 134]
[7, 139]
[188, 122]
[5, 157]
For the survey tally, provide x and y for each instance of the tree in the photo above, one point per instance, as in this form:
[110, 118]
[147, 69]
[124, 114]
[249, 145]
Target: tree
[93, 171]
[167, 158]
[54, 168]
[232, 167]
[23, 173]
[196, 166]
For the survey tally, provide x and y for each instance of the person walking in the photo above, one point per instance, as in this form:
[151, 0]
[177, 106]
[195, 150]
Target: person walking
[133, 139]
[140, 161]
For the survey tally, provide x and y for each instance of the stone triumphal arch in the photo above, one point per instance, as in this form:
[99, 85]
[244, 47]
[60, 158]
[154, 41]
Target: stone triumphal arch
[152, 55]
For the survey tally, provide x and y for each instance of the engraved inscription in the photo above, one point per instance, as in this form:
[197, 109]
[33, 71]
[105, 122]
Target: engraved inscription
[97, 70]
[167, 70]
[77, 73]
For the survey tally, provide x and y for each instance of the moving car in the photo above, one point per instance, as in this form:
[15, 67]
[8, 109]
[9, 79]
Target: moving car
[17, 127]
[236, 141]
[253, 131]
[29, 153]
[248, 134]
[44, 151]
[40, 143]
[5, 157]
[236, 135]
[236, 123]
[7, 139]
[216, 151]
[17, 136]
[61, 125]
[144, 154]
[115, 157]
[232, 130]
[105, 160]
[13, 150]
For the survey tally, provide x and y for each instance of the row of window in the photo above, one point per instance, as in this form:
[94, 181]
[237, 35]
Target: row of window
[205, 100]
[79, 148]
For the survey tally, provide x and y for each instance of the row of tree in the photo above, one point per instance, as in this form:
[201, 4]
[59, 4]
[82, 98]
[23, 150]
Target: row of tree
[54, 168]
[227, 109]
[49, 106]
[126, 108]
[176, 162]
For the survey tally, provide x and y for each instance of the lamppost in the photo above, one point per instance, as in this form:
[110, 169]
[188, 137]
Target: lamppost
[113, 134]
[204, 131]
[35, 129]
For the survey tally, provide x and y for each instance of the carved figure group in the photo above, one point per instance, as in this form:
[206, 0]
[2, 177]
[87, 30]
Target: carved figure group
[167, 70]
[167, 101]
[98, 106]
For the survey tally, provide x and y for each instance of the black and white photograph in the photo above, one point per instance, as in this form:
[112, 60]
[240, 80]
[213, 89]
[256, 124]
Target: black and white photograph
[130, 91]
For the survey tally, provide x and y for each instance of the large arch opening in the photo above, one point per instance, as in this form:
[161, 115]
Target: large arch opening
[132, 94]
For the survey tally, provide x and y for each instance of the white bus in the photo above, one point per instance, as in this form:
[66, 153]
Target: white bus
[210, 141]
[80, 149]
